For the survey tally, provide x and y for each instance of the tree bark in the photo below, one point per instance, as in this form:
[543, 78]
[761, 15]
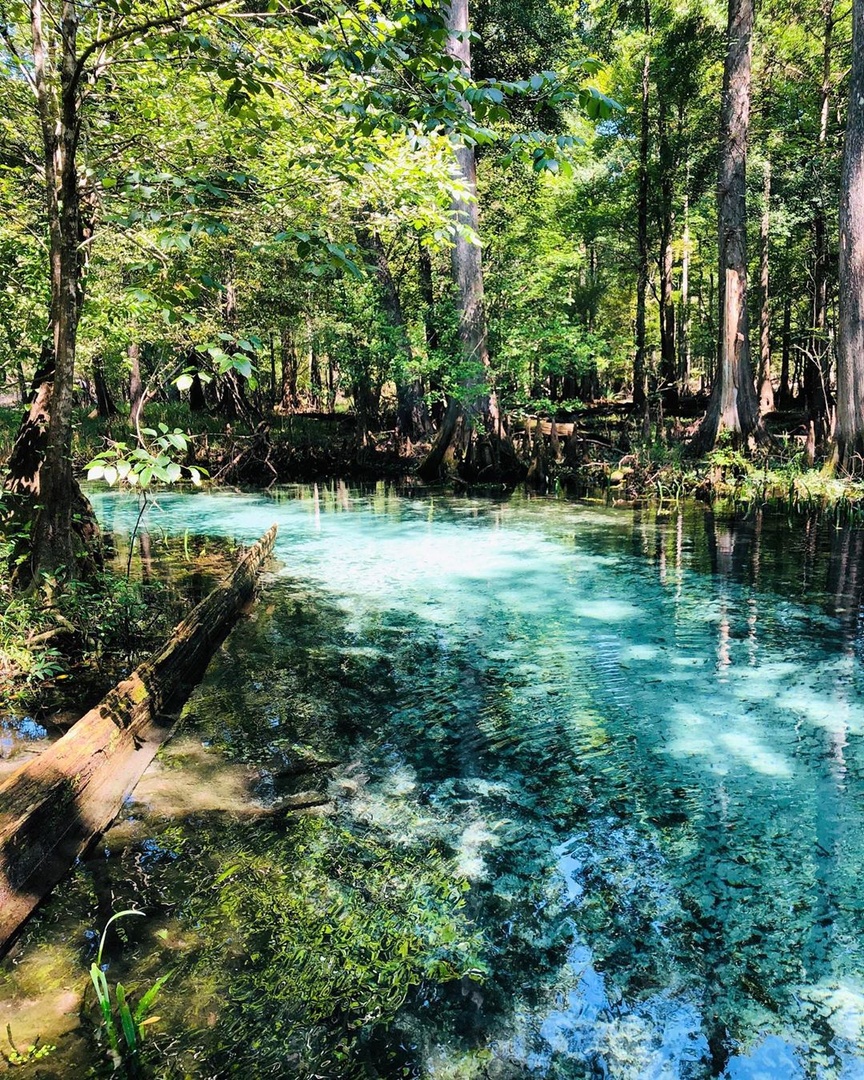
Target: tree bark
[430, 327]
[52, 520]
[288, 356]
[668, 358]
[412, 417]
[766, 387]
[733, 407]
[849, 449]
[136, 384]
[491, 454]
[785, 390]
[640, 367]
[315, 384]
[104, 402]
[816, 365]
[52, 808]
[684, 331]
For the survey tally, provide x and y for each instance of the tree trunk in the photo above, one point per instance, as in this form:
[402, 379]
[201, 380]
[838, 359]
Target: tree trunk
[412, 418]
[493, 455]
[136, 385]
[331, 385]
[430, 327]
[734, 406]
[53, 807]
[104, 402]
[815, 370]
[288, 355]
[684, 331]
[315, 385]
[54, 523]
[766, 387]
[427, 295]
[640, 372]
[850, 336]
[668, 358]
[785, 391]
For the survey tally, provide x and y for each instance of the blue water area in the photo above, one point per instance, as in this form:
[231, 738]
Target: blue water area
[637, 735]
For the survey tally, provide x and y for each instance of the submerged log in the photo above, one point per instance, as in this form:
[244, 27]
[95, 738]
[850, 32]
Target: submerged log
[55, 806]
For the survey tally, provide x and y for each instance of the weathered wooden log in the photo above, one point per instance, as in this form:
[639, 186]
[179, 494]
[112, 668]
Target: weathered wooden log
[55, 806]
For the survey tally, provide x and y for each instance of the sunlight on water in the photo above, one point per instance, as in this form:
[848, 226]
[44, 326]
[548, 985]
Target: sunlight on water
[639, 739]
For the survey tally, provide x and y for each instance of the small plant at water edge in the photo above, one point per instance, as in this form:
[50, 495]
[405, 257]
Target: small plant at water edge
[123, 1028]
[36, 1051]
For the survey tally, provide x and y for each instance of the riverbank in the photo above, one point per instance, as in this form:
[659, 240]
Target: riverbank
[62, 647]
[600, 450]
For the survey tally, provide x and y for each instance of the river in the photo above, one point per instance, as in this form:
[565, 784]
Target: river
[498, 788]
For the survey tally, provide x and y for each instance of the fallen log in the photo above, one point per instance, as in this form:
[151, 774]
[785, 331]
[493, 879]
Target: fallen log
[54, 807]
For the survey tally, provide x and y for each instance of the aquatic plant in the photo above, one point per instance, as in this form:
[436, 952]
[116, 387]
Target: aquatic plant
[123, 1028]
[36, 1051]
[319, 937]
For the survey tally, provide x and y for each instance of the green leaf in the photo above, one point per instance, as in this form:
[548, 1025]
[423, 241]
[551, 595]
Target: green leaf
[130, 1030]
[147, 1000]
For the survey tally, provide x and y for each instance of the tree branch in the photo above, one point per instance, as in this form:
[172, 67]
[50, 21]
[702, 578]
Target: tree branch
[135, 31]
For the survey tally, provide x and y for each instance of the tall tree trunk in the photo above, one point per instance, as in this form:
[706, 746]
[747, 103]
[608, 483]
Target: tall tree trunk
[492, 452]
[766, 387]
[684, 323]
[288, 355]
[668, 358]
[315, 386]
[42, 491]
[785, 391]
[411, 411]
[640, 367]
[816, 365]
[734, 406]
[231, 386]
[849, 450]
[23, 392]
[136, 384]
[430, 327]
[104, 402]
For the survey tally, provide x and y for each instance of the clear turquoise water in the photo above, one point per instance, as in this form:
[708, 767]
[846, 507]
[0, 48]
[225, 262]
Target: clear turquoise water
[639, 737]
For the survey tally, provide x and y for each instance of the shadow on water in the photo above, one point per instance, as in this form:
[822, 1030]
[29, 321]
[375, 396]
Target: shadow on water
[639, 751]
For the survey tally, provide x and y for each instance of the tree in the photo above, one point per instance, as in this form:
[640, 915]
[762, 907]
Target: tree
[815, 370]
[50, 518]
[849, 451]
[640, 362]
[734, 406]
[78, 62]
[477, 405]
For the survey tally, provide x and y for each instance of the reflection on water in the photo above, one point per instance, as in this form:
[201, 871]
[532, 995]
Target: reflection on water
[637, 736]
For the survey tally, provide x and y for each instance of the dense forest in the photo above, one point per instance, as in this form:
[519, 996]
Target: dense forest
[439, 221]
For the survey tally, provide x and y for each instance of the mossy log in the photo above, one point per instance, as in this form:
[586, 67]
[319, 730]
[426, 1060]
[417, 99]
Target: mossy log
[55, 806]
